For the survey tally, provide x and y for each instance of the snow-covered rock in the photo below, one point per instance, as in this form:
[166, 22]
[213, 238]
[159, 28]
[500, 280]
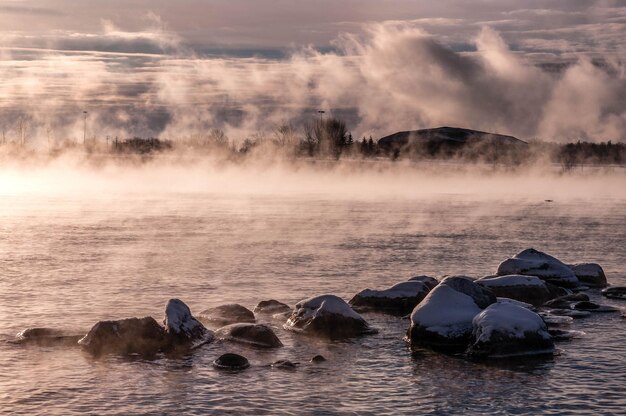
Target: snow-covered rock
[227, 314]
[532, 262]
[590, 274]
[505, 329]
[444, 318]
[125, 336]
[327, 316]
[256, 335]
[529, 289]
[182, 327]
[400, 298]
[271, 307]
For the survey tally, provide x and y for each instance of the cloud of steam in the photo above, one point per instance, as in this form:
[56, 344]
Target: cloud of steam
[393, 76]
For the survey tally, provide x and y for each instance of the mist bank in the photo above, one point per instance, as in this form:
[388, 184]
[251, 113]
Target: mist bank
[96, 176]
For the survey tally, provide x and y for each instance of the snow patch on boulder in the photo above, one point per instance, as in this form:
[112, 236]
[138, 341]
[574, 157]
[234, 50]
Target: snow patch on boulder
[532, 262]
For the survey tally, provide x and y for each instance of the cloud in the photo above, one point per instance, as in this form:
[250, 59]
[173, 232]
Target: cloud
[387, 77]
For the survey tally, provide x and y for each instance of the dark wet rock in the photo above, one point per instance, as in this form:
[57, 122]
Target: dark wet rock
[431, 282]
[528, 289]
[564, 302]
[593, 307]
[283, 365]
[615, 292]
[318, 359]
[271, 307]
[230, 361]
[181, 327]
[531, 262]
[505, 330]
[590, 274]
[47, 337]
[399, 299]
[227, 314]
[556, 291]
[257, 335]
[443, 320]
[125, 336]
[327, 316]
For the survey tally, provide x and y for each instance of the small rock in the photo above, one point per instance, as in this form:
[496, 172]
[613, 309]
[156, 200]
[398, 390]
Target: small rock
[318, 359]
[283, 365]
[256, 335]
[125, 336]
[593, 307]
[47, 337]
[590, 274]
[271, 307]
[399, 299]
[227, 314]
[431, 282]
[230, 361]
[615, 292]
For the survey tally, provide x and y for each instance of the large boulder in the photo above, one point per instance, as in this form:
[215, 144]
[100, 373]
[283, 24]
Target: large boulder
[443, 320]
[400, 298]
[47, 337]
[531, 262]
[505, 330]
[231, 313]
[327, 316]
[142, 336]
[182, 328]
[590, 274]
[529, 289]
[256, 335]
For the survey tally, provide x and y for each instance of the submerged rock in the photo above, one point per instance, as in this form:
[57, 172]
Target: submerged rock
[505, 330]
[256, 335]
[181, 327]
[529, 289]
[227, 314]
[590, 274]
[271, 307]
[400, 298]
[531, 262]
[615, 292]
[125, 336]
[230, 361]
[283, 365]
[444, 318]
[565, 335]
[327, 316]
[570, 312]
[47, 337]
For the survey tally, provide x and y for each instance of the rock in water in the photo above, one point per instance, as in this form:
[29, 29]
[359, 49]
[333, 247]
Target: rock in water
[593, 307]
[181, 327]
[590, 274]
[126, 336]
[505, 330]
[531, 262]
[283, 365]
[529, 289]
[431, 282]
[230, 361]
[47, 337]
[444, 318]
[616, 292]
[271, 307]
[399, 299]
[227, 314]
[318, 359]
[256, 335]
[327, 316]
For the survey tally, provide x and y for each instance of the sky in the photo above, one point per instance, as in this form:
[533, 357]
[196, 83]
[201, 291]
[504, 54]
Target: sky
[551, 69]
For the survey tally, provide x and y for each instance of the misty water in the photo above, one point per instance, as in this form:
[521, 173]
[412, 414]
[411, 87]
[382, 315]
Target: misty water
[70, 258]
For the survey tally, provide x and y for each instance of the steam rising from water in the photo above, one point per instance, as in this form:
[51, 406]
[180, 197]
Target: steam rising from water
[393, 76]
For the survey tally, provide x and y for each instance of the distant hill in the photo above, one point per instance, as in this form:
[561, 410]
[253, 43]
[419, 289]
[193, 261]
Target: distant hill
[453, 136]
